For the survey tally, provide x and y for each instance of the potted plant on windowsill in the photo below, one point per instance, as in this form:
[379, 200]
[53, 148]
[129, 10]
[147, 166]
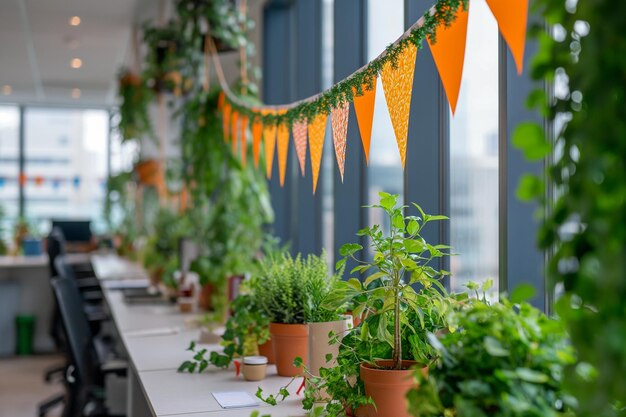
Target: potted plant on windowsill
[401, 259]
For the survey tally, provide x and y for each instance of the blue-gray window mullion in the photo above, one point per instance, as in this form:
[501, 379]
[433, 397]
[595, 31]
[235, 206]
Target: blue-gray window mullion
[426, 176]
[350, 45]
[524, 262]
[307, 33]
[277, 89]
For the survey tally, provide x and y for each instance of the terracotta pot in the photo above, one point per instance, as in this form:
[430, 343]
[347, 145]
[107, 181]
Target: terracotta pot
[388, 389]
[149, 172]
[319, 341]
[267, 350]
[205, 297]
[356, 320]
[290, 341]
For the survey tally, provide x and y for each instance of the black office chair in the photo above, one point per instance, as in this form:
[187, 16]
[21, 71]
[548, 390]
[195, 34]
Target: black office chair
[87, 370]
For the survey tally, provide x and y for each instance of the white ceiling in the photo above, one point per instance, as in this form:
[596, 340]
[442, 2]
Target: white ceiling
[37, 44]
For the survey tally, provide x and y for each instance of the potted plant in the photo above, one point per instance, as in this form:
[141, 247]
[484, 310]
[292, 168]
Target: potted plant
[505, 359]
[135, 98]
[401, 259]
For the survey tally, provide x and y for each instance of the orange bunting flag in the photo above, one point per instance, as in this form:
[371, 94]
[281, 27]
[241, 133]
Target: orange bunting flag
[234, 119]
[226, 121]
[38, 181]
[398, 86]
[257, 133]
[511, 16]
[299, 129]
[364, 108]
[269, 144]
[220, 101]
[283, 149]
[449, 54]
[339, 123]
[317, 129]
[244, 139]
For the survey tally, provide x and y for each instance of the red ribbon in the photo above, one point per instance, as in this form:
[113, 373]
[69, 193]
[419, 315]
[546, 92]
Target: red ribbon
[237, 367]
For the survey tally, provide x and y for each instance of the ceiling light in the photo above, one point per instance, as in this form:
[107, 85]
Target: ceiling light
[76, 63]
[74, 21]
[7, 90]
[76, 92]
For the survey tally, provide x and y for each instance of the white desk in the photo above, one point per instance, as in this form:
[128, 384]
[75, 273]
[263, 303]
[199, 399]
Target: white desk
[155, 387]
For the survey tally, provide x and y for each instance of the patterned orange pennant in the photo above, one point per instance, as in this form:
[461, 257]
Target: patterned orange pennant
[299, 129]
[257, 133]
[512, 16]
[244, 139]
[398, 86]
[317, 129]
[449, 55]
[283, 149]
[269, 144]
[234, 131]
[364, 109]
[339, 123]
[226, 121]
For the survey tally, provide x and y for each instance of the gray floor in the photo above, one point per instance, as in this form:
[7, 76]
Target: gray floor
[22, 386]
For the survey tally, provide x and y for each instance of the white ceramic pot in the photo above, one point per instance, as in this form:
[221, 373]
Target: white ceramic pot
[319, 345]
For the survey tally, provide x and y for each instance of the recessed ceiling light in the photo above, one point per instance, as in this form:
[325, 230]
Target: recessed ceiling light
[76, 92]
[74, 21]
[76, 63]
[7, 90]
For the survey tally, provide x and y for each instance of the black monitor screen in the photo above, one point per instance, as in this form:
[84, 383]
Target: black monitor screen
[74, 230]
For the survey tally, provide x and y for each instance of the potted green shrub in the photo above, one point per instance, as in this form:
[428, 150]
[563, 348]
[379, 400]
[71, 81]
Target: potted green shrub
[506, 359]
[401, 259]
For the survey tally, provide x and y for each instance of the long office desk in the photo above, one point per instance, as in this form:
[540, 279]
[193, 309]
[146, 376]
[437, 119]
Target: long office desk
[156, 338]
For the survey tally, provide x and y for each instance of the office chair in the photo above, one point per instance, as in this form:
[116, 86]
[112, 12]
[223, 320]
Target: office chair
[86, 372]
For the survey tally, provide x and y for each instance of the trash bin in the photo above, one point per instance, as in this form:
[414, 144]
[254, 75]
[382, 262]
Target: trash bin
[25, 331]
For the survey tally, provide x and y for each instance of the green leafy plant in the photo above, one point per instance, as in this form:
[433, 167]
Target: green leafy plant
[292, 290]
[401, 259]
[505, 359]
[584, 219]
[135, 98]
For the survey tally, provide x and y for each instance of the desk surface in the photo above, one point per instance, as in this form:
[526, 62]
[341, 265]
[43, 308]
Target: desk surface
[156, 338]
[39, 261]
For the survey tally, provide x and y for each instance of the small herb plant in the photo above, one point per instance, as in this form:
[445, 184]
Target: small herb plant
[401, 260]
[506, 359]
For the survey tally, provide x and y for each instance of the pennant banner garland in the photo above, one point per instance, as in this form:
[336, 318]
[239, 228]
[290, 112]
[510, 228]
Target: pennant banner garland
[443, 27]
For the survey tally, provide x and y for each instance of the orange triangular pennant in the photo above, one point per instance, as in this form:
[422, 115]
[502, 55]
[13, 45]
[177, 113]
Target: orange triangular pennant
[339, 123]
[364, 109]
[220, 101]
[269, 144]
[226, 121]
[511, 16]
[449, 54]
[283, 149]
[234, 131]
[244, 139]
[299, 129]
[317, 129]
[257, 133]
[398, 86]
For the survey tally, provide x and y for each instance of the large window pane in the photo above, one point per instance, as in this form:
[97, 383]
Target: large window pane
[474, 156]
[65, 164]
[9, 167]
[385, 23]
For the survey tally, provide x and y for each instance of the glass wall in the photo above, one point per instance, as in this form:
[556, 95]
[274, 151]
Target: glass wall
[474, 156]
[385, 23]
[9, 168]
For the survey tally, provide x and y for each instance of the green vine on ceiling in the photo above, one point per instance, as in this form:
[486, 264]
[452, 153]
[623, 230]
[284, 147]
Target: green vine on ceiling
[442, 13]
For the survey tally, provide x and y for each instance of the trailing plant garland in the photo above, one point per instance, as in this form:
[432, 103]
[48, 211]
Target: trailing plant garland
[442, 13]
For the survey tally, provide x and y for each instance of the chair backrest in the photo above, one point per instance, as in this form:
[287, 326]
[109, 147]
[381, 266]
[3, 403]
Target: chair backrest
[55, 248]
[63, 268]
[78, 333]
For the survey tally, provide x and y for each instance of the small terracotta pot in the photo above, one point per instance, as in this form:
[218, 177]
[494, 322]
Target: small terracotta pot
[388, 388]
[148, 171]
[267, 350]
[205, 297]
[290, 341]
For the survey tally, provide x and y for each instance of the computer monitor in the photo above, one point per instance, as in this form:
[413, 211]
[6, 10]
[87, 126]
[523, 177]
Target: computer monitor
[75, 231]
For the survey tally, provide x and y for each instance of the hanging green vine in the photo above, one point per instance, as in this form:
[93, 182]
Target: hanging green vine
[444, 14]
[584, 55]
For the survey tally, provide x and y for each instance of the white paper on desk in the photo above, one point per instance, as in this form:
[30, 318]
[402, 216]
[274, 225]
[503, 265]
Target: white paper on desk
[120, 284]
[235, 399]
[162, 331]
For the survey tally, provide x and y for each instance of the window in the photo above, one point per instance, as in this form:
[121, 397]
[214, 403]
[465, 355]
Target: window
[65, 164]
[9, 167]
[385, 24]
[474, 157]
